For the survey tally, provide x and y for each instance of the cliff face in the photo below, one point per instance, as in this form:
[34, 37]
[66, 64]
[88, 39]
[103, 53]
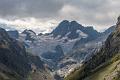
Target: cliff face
[13, 54]
[72, 30]
[104, 65]
[16, 63]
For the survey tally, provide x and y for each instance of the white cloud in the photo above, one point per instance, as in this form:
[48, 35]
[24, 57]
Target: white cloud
[31, 23]
[41, 14]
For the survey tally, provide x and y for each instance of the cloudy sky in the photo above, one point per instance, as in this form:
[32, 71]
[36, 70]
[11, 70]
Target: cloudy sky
[44, 15]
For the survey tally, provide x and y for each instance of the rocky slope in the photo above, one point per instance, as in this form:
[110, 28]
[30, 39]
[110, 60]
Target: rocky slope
[13, 34]
[16, 63]
[74, 30]
[104, 64]
[65, 46]
[30, 35]
[84, 51]
[62, 49]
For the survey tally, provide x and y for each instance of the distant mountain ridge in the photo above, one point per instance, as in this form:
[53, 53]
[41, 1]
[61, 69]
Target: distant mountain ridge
[73, 28]
[65, 46]
[69, 35]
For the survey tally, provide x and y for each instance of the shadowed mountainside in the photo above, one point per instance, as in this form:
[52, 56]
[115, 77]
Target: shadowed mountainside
[16, 63]
[103, 65]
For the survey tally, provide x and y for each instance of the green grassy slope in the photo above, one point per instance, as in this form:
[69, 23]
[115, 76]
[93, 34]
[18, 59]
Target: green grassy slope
[104, 65]
[106, 72]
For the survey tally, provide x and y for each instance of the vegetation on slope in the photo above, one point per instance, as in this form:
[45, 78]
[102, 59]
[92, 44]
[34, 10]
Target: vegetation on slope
[40, 75]
[15, 62]
[103, 62]
[106, 71]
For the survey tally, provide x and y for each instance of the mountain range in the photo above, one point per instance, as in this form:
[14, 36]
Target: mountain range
[66, 46]
[104, 64]
[37, 56]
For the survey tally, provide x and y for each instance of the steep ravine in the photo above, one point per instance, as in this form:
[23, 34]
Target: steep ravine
[17, 64]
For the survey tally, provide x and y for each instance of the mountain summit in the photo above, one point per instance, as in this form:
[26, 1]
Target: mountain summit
[73, 30]
[118, 22]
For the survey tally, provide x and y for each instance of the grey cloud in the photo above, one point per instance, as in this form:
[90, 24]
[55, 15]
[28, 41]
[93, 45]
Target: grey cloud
[100, 12]
[87, 4]
[29, 8]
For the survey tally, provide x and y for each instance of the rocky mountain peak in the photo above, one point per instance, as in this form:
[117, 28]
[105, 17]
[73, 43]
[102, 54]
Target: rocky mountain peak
[3, 34]
[64, 22]
[118, 22]
[119, 19]
[70, 29]
[13, 34]
[74, 23]
[28, 32]
[30, 35]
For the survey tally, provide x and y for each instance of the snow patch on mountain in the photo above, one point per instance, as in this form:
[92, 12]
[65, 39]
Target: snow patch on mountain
[81, 34]
[47, 43]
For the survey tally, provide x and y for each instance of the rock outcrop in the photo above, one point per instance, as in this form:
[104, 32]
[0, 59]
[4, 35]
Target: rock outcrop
[13, 34]
[73, 30]
[118, 23]
[103, 65]
[30, 35]
[16, 63]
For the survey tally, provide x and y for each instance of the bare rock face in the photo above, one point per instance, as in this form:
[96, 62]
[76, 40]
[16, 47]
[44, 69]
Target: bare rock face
[118, 22]
[17, 64]
[108, 51]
